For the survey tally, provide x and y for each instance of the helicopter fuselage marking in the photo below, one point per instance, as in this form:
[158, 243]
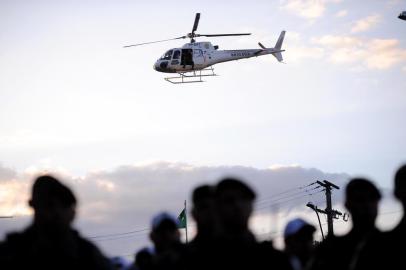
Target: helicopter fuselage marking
[240, 54]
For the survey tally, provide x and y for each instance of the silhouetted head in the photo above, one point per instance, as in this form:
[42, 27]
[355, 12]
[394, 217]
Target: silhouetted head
[234, 203]
[164, 232]
[203, 210]
[400, 184]
[362, 198]
[298, 237]
[54, 204]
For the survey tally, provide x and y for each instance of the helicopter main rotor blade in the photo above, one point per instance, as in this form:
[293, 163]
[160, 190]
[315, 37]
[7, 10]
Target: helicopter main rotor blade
[222, 35]
[133, 45]
[197, 18]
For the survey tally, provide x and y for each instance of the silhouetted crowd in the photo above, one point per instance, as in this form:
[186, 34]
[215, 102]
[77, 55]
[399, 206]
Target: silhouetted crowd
[223, 239]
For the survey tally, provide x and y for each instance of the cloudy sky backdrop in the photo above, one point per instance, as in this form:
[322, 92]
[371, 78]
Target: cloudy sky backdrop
[74, 102]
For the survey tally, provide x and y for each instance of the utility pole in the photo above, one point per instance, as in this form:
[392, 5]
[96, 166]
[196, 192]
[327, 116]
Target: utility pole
[186, 223]
[329, 211]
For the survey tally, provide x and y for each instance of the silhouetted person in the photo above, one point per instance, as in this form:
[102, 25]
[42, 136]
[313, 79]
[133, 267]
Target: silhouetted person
[235, 204]
[187, 58]
[344, 252]
[200, 251]
[165, 233]
[397, 237]
[50, 242]
[204, 213]
[299, 244]
[167, 250]
[389, 253]
[237, 247]
[144, 260]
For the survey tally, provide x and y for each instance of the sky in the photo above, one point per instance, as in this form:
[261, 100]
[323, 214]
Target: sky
[74, 102]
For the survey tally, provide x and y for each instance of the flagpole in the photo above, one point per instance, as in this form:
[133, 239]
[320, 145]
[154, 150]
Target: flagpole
[186, 222]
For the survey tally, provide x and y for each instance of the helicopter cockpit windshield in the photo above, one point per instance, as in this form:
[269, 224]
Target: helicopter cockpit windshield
[166, 56]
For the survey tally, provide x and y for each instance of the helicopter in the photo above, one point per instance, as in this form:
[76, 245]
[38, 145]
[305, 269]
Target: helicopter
[195, 60]
[402, 15]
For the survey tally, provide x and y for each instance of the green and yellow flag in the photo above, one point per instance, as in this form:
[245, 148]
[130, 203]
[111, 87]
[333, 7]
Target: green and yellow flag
[182, 219]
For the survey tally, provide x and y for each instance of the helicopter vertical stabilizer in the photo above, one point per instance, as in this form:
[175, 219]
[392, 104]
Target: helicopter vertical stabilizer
[278, 44]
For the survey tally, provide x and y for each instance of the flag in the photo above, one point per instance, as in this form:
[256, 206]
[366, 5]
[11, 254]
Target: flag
[182, 219]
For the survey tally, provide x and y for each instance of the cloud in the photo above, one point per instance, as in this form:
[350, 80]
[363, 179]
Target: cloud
[298, 53]
[297, 49]
[13, 193]
[341, 13]
[393, 3]
[6, 173]
[124, 199]
[309, 9]
[384, 53]
[365, 24]
[378, 54]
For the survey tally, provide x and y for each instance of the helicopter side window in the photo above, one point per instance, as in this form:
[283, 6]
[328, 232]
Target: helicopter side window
[176, 55]
[167, 55]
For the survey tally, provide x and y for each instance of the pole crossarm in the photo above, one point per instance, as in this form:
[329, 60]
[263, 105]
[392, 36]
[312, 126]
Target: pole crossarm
[327, 184]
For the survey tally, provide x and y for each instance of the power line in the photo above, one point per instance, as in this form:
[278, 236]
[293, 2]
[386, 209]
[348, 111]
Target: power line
[303, 192]
[273, 196]
[119, 237]
[289, 200]
[119, 234]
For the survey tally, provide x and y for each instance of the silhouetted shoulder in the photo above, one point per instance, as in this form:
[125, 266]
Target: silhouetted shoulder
[31, 250]
[91, 255]
[325, 251]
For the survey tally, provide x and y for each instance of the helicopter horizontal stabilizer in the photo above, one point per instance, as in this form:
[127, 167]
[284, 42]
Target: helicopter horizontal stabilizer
[278, 56]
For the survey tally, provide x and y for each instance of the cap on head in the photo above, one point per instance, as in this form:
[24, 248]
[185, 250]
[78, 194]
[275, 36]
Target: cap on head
[360, 189]
[296, 225]
[201, 193]
[232, 184]
[47, 189]
[164, 221]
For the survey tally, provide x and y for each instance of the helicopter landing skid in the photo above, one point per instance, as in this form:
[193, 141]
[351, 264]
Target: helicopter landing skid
[192, 76]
